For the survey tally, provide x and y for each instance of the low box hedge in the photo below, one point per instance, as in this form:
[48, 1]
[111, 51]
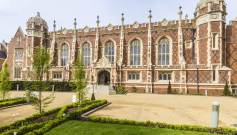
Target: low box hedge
[228, 131]
[14, 101]
[24, 129]
[59, 117]
[58, 86]
[9, 99]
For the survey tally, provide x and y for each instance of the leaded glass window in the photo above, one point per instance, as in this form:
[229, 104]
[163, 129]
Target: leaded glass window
[64, 55]
[164, 52]
[135, 53]
[86, 52]
[109, 51]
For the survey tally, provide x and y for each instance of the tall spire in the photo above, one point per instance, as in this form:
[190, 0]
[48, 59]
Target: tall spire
[54, 25]
[98, 21]
[121, 40]
[38, 14]
[150, 16]
[122, 19]
[74, 42]
[180, 38]
[180, 13]
[75, 23]
[97, 39]
[52, 48]
[149, 88]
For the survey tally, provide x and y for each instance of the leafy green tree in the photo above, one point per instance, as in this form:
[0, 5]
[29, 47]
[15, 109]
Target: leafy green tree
[79, 78]
[41, 66]
[226, 91]
[169, 88]
[5, 85]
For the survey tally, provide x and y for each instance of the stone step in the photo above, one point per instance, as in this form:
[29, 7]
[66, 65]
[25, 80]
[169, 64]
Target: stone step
[101, 89]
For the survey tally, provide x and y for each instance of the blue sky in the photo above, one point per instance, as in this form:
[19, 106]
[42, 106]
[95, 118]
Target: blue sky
[14, 13]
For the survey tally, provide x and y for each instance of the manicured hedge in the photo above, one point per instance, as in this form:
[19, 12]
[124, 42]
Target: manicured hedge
[5, 100]
[228, 131]
[10, 102]
[60, 119]
[24, 129]
[31, 122]
[58, 86]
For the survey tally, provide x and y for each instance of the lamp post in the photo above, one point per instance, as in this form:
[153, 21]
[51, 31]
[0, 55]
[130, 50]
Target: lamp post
[93, 85]
[197, 66]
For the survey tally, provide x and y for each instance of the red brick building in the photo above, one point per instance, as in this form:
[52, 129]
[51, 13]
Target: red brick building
[3, 53]
[198, 54]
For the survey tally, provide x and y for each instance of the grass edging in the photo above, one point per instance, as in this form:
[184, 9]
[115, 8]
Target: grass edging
[228, 131]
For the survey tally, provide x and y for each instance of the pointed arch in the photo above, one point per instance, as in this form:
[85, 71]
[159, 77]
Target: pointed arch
[110, 50]
[164, 51]
[135, 51]
[65, 54]
[86, 53]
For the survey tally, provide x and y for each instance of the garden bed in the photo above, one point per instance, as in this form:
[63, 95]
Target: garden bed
[41, 123]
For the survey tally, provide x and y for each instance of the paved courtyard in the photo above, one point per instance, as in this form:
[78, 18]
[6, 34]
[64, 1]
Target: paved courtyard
[175, 109]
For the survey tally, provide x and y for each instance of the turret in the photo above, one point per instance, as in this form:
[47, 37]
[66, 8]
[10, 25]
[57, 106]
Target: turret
[37, 32]
[210, 18]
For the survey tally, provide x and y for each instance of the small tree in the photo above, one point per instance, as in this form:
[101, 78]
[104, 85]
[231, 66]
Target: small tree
[5, 85]
[41, 66]
[226, 91]
[79, 79]
[169, 88]
[93, 97]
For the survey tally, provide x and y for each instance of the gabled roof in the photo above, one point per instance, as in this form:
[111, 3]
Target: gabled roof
[19, 32]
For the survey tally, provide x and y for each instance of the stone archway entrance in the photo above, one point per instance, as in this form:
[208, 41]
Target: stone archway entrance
[103, 78]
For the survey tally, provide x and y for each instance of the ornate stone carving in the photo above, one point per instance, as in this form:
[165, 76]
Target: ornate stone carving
[135, 25]
[164, 22]
[64, 31]
[86, 29]
[110, 27]
[103, 63]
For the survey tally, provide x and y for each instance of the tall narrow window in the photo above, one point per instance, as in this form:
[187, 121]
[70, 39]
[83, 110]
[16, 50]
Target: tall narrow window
[164, 52]
[109, 51]
[19, 54]
[214, 74]
[86, 52]
[135, 53]
[64, 55]
[215, 41]
[17, 72]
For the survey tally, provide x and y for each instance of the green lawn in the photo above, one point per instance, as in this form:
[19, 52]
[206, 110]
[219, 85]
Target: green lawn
[90, 128]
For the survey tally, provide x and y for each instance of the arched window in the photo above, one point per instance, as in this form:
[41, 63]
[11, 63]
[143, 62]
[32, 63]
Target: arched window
[86, 52]
[135, 53]
[64, 55]
[164, 52]
[109, 51]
